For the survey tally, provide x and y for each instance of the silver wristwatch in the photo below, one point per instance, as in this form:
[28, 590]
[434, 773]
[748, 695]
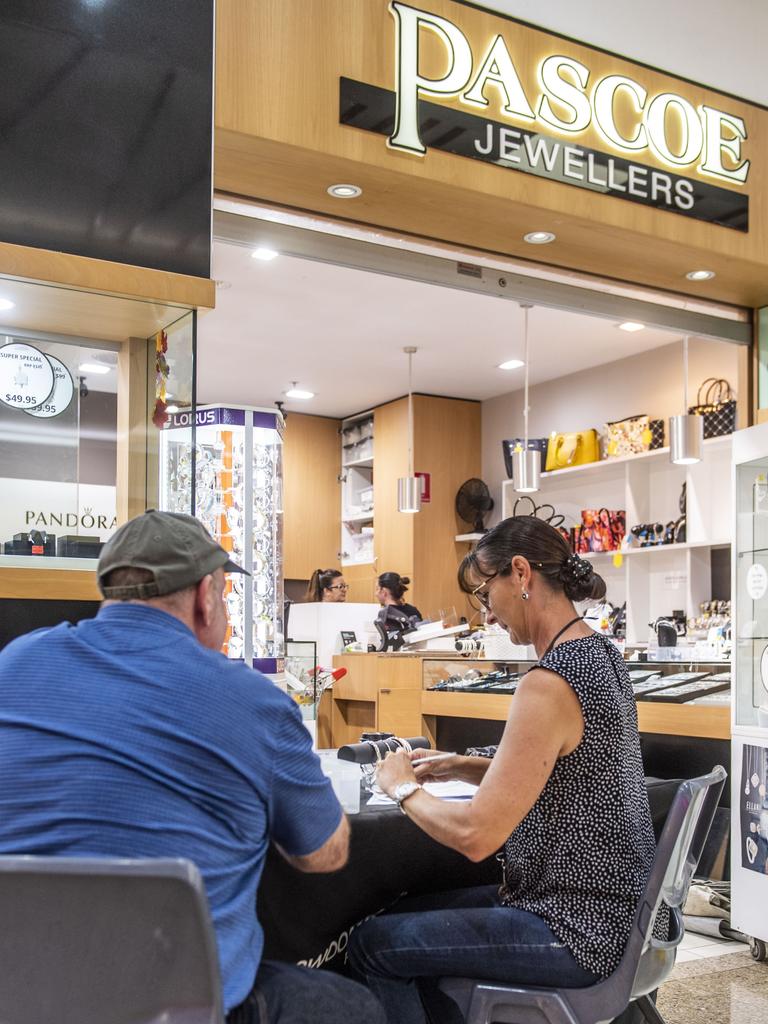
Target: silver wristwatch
[404, 790]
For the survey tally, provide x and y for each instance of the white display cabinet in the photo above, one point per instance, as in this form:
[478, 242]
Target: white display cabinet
[236, 467]
[357, 490]
[654, 581]
[749, 744]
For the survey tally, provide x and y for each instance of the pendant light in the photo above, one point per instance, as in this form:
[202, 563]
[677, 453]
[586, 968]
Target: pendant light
[409, 487]
[526, 465]
[686, 431]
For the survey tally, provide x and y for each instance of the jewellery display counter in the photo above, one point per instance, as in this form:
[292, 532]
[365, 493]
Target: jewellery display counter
[749, 751]
[231, 479]
[412, 695]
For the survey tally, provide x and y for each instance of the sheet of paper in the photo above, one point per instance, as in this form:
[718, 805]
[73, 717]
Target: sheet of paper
[453, 790]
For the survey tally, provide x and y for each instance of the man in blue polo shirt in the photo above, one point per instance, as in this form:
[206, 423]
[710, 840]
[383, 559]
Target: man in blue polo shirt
[130, 735]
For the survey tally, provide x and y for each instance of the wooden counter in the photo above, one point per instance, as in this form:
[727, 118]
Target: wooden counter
[707, 721]
[40, 582]
[388, 692]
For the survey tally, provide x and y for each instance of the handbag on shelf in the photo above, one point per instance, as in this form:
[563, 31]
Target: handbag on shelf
[535, 444]
[657, 434]
[578, 449]
[633, 435]
[601, 529]
[716, 403]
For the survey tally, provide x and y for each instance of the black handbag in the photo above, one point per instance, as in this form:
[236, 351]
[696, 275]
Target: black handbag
[657, 434]
[535, 444]
[715, 402]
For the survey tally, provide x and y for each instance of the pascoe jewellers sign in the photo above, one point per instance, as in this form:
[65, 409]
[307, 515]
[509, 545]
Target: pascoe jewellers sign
[539, 134]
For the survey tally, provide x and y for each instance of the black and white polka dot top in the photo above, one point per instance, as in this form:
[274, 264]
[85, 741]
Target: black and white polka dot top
[581, 856]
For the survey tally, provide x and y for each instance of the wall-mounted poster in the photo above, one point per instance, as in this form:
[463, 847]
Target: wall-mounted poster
[754, 809]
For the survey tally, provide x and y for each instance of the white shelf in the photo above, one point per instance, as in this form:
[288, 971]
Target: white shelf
[359, 464]
[47, 562]
[468, 537]
[362, 517]
[602, 464]
[656, 549]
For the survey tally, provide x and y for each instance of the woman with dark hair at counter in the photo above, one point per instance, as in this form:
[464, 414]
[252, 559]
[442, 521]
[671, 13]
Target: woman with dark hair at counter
[563, 794]
[327, 585]
[390, 589]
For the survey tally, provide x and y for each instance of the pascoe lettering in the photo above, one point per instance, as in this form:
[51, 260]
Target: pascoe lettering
[569, 100]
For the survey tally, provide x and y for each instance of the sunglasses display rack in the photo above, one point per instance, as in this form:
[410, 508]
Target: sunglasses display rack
[237, 469]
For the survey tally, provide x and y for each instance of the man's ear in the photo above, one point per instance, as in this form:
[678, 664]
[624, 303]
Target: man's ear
[204, 599]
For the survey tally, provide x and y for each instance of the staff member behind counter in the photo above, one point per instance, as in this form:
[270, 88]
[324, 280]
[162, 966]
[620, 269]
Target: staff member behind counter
[563, 793]
[327, 585]
[389, 593]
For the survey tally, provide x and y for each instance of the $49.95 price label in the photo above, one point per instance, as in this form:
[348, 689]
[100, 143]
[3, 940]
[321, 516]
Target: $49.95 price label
[26, 376]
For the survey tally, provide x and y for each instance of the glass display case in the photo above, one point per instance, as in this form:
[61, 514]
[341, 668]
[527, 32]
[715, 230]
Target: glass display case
[749, 742]
[83, 383]
[230, 477]
[301, 673]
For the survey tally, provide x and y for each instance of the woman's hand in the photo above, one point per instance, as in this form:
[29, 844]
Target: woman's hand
[393, 771]
[448, 767]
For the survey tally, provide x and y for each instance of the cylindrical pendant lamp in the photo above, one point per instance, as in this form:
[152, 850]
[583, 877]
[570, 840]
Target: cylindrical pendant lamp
[526, 465]
[409, 494]
[526, 470]
[686, 437]
[409, 487]
[686, 431]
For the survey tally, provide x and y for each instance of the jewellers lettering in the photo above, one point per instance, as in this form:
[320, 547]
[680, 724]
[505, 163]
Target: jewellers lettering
[665, 127]
[69, 519]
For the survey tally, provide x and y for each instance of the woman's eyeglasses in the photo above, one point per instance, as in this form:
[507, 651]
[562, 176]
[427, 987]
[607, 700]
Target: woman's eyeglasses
[483, 595]
[339, 586]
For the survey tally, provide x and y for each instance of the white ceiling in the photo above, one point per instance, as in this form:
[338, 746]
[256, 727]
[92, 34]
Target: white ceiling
[718, 44]
[341, 332]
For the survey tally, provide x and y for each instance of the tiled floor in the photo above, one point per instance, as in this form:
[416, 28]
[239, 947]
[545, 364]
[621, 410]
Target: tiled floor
[720, 987]
[700, 947]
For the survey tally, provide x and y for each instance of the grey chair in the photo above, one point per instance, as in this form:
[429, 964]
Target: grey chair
[100, 941]
[647, 961]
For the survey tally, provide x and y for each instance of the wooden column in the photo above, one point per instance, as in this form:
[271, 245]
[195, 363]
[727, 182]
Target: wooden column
[132, 432]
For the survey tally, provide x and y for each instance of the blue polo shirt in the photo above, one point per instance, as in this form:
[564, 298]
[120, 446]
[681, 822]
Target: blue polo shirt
[123, 736]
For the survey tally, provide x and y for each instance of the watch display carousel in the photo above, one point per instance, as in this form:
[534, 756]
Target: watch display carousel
[227, 471]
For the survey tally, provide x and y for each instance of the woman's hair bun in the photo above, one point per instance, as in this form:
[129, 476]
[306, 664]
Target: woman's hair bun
[580, 581]
[404, 580]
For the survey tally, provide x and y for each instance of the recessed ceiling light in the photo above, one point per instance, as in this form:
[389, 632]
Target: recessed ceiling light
[172, 408]
[6, 304]
[631, 326]
[700, 275]
[511, 364]
[343, 191]
[264, 254]
[539, 237]
[299, 393]
[94, 368]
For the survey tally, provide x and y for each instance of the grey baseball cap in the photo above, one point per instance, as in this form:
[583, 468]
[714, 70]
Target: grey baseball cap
[176, 548]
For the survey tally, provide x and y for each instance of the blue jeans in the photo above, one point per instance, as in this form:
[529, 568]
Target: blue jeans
[465, 933]
[287, 994]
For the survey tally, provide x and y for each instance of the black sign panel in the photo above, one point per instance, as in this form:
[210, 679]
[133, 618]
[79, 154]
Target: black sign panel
[106, 129]
[530, 152]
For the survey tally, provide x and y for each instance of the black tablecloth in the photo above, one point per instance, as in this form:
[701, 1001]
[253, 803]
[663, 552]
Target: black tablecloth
[308, 918]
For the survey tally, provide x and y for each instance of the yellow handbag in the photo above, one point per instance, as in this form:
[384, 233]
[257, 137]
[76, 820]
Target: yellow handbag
[566, 450]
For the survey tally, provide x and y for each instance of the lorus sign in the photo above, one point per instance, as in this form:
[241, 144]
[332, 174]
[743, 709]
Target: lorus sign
[541, 126]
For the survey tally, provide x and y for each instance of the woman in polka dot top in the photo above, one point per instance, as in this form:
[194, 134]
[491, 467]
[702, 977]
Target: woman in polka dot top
[563, 794]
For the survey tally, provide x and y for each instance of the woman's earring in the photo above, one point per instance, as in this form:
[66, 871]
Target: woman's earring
[525, 595]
